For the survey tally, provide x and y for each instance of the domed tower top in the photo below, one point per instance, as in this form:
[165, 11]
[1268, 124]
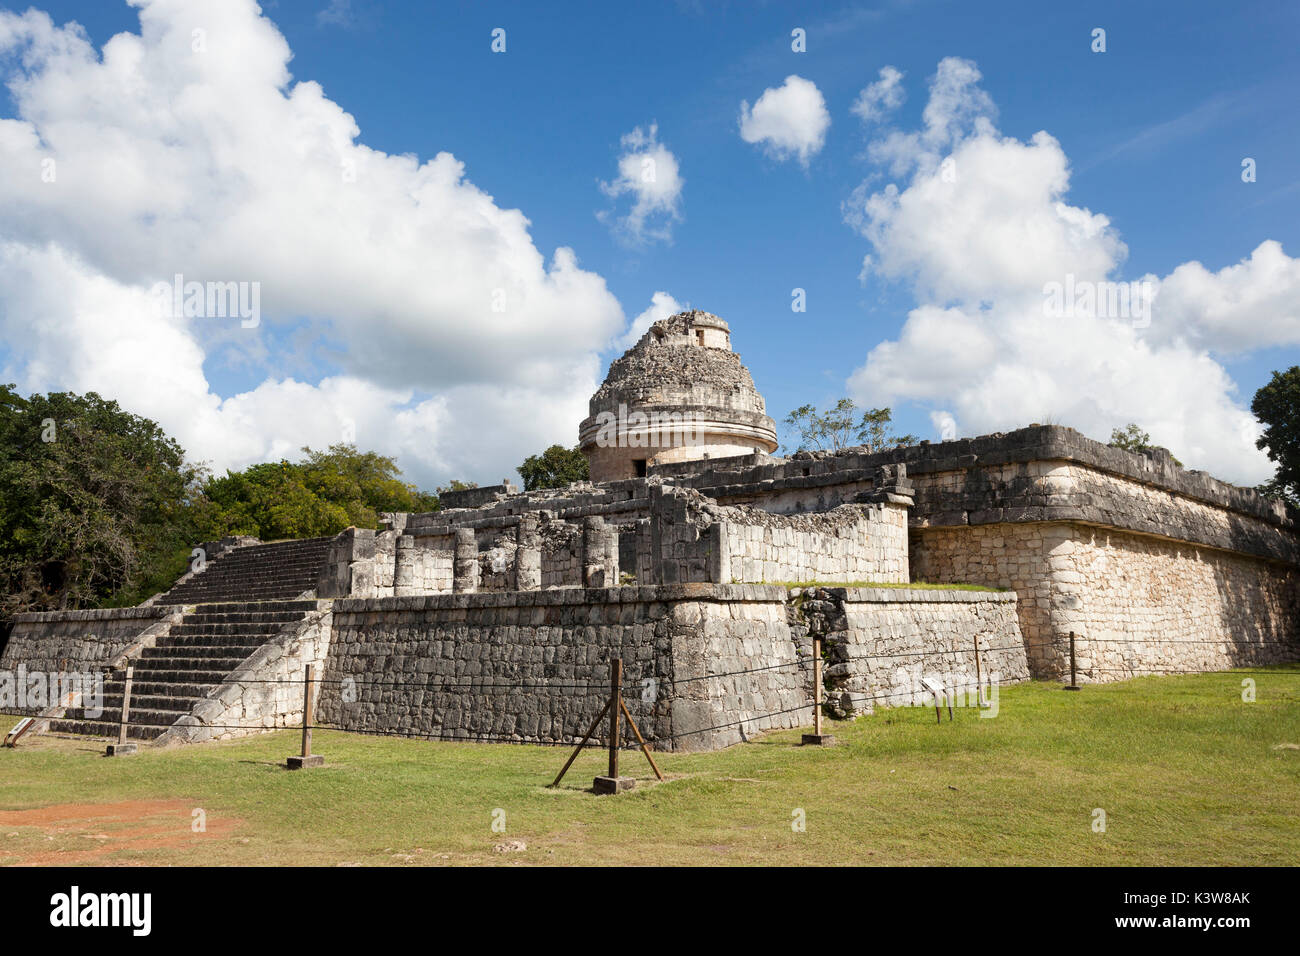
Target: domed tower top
[679, 394]
[691, 328]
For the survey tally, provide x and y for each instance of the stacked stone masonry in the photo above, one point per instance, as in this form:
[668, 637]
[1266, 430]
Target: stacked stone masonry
[498, 616]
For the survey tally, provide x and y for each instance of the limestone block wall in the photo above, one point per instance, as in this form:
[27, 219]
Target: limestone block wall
[848, 543]
[424, 564]
[87, 640]
[716, 703]
[696, 539]
[1145, 603]
[1139, 604]
[889, 639]
[534, 666]
[265, 692]
[561, 547]
[1003, 556]
[383, 572]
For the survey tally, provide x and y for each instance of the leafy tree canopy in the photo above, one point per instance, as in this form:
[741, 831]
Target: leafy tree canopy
[1277, 406]
[553, 468]
[99, 506]
[95, 502]
[843, 427]
[323, 494]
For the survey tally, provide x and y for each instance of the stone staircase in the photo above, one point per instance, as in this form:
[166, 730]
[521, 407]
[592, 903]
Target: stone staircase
[279, 571]
[241, 600]
[182, 668]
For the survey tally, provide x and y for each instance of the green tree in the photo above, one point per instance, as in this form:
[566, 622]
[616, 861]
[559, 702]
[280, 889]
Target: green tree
[96, 504]
[1134, 439]
[1277, 406]
[553, 468]
[321, 495]
[842, 427]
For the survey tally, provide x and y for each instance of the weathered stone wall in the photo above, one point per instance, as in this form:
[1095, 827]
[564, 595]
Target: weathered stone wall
[848, 543]
[534, 666]
[1148, 603]
[1141, 604]
[889, 639]
[1036, 491]
[561, 554]
[739, 670]
[50, 641]
[423, 564]
[696, 539]
[385, 563]
[476, 497]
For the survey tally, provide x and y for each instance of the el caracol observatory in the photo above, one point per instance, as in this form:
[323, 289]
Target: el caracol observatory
[679, 394]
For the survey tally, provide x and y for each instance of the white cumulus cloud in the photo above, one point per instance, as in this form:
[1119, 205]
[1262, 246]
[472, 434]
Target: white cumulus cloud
[980, 227]
[450, 339]
[649, 173]
[789, 121]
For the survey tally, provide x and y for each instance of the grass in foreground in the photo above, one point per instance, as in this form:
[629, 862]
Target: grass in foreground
[1186, 773]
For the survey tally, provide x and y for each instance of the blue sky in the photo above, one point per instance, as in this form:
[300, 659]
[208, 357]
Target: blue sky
[1154, 131]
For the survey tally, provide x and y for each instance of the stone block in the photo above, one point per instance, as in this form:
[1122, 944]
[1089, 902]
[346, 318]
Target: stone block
[610, 785]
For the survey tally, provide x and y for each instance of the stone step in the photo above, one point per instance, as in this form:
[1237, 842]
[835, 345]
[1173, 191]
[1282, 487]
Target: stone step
[205, 652]
[184, 675]
[266, 568]
[182, 703]
[102, 728]
[248, 580]
[142, 715]
[149, 688]
[146, 669]
[294, 585]
[204, 616]
[188, 629]
[256, 607]
[249, 641]
[227, 595]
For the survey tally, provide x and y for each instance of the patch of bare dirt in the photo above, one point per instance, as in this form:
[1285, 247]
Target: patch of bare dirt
[87, 833]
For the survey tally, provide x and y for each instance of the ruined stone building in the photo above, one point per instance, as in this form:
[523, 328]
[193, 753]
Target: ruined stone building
[692, 555]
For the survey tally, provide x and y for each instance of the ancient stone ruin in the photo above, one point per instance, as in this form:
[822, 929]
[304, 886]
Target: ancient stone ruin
[707, 565]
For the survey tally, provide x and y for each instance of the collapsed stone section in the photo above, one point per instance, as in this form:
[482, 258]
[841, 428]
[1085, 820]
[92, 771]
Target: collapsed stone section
[645, 532]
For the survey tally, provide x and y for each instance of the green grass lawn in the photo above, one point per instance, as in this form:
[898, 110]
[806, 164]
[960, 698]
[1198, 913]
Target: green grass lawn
[1186, 772]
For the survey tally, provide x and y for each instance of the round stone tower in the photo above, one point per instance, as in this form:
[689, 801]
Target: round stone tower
[679, 394]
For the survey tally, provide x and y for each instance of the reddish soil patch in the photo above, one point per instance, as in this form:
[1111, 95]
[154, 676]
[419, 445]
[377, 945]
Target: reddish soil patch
[80, 833]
